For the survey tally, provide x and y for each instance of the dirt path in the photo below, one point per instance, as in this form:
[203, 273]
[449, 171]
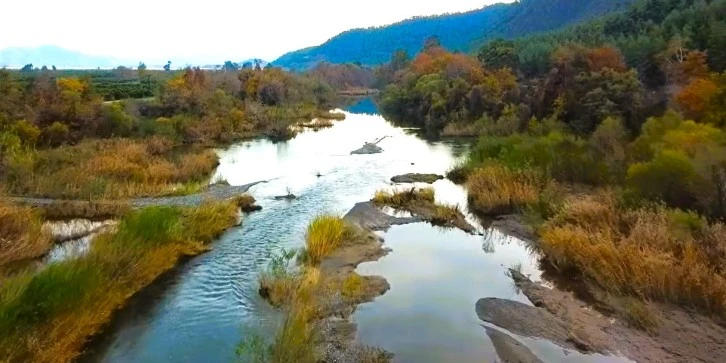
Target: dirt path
[213, 192]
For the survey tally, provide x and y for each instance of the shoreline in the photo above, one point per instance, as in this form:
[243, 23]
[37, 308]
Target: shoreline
[594, 323]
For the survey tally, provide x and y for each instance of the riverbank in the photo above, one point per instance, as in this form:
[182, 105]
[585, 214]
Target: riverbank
[47, 315]
[590, 308]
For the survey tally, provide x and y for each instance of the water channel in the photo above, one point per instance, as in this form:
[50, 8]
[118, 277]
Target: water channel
[199, 312]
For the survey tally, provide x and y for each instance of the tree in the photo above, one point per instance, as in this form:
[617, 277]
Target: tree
[141, 67]
[605, 57]
[695, 98]
[167, 67]
[499, 53]
[54, 69]
[27, 68]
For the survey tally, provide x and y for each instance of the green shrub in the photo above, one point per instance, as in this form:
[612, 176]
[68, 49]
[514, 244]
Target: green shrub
[670, 177]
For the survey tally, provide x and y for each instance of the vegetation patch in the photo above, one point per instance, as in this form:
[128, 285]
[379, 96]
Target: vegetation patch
[47, 315]
[97, 210]
[325, 233]
[422, 203]
[107, 169]
[653, 253]
[498, 190]
[400, 199]
[21, 233]
[310, 294]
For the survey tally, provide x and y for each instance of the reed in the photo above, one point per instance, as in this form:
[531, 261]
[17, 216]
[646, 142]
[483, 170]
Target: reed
[325, 233]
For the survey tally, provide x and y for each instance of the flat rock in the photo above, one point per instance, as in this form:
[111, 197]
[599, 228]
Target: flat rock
[417, 178]
[366, 215]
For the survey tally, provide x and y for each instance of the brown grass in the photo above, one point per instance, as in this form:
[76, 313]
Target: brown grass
[649, 253]
[246, 203]
[499, 190]
[444, 213]
[107, 169]
[401, 198]
[21, 233]
[93, 210]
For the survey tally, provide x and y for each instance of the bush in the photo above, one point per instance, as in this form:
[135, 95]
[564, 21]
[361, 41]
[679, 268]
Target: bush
[498, 190]
[645, 253]
[670, 177]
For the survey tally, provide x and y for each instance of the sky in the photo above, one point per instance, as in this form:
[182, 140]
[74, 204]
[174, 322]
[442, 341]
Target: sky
[201, 31]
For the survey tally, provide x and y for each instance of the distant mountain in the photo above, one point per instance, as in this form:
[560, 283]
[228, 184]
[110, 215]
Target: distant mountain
[460, 31]
[49, 55]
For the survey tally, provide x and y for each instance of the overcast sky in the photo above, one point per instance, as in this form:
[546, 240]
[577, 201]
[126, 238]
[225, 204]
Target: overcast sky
[202, 31]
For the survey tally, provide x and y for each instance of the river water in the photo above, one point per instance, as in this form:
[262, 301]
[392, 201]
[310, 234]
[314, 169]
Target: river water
[201, 311]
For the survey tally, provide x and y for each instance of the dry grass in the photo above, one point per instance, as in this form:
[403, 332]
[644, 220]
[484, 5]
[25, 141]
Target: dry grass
[499, 190]
[401, 198]
[649, 253]
[246, 203]
[461, 130]
[444, 213]
[352, 286]
[637, 314]
[46, 316]
[107, 169]
[325, 233]
[93, 210]
[21, 233]
[338, 116]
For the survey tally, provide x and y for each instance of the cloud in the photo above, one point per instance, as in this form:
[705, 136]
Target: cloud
[200, 31]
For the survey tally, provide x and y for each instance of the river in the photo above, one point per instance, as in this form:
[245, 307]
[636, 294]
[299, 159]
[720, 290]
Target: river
[199, 312]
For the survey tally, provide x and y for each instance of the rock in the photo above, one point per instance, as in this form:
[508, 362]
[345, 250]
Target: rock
[513, 225]
[526, 320]
[286, 197]
[417, 178]
[366, 215]
[509, 349]
[368, 148]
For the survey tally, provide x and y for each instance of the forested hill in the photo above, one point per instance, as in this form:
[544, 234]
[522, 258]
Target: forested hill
[460, 31]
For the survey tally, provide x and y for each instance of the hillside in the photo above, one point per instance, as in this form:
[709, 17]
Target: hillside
[460, 31]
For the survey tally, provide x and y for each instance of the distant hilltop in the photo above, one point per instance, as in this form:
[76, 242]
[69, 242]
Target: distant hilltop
[459, 31]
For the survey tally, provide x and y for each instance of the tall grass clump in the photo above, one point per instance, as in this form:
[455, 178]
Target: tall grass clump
[21, 233]
[404, 197]
[651, 253]
[496, 189]
[325, 233]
